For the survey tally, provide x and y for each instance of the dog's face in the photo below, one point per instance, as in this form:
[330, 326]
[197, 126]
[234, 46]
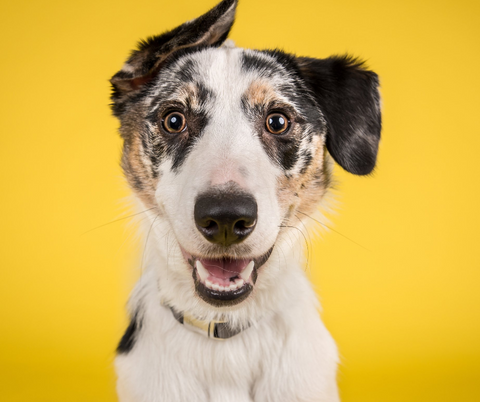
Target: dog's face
[227, 146]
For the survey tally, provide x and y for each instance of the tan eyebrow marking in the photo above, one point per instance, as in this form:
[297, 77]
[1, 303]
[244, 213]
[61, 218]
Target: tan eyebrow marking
[260, 92]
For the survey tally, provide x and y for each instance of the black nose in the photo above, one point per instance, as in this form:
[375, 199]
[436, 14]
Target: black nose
[225, 218]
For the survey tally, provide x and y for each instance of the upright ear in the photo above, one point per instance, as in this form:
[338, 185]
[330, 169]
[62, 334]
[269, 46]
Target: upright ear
[348, 95]
[211, 29]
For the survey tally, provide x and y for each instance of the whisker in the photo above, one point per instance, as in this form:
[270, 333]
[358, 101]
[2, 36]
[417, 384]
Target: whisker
[167, 237]
[333, 230]
[146, 242]
[309, 238]
[278, 254]
[171, 248]
[116, 220]
[303, 234]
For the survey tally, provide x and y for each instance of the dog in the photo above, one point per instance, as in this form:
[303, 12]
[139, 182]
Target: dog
[229, 151]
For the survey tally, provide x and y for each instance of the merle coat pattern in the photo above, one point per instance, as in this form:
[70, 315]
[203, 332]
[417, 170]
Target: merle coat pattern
[228, 150]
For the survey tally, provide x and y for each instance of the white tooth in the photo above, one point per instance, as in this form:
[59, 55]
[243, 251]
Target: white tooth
[215, 286]
[221, 288]
[245, 274]
[233, 286]
[239, 282]
[208, 284]
[202, 272]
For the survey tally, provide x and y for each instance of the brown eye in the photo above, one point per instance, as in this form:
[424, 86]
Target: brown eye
[174, 122]
[277, 123]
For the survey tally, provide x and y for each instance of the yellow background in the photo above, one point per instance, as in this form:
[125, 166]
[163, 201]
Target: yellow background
[404, 306]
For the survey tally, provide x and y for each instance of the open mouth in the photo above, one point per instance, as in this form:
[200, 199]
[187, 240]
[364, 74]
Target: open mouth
[225, 281]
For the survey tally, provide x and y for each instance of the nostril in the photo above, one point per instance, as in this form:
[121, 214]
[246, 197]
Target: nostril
[208, 224]
[244, 227]
[250, 224]
[211, 225]
[208, 228]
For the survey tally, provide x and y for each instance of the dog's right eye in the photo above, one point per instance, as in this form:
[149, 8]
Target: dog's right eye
[174, 123]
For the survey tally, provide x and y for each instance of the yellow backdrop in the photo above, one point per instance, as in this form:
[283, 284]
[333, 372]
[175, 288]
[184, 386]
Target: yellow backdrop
[403, 305]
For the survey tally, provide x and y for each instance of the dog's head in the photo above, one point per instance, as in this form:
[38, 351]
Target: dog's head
[228, 145]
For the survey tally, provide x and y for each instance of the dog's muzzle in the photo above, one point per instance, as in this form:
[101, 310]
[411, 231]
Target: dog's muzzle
[225, 216]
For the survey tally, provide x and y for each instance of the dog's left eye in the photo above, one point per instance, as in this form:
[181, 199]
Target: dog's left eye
[277, 123]
[174, 122]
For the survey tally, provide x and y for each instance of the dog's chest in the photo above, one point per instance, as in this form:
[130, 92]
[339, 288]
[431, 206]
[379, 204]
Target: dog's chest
[286, 356]
[175, 363]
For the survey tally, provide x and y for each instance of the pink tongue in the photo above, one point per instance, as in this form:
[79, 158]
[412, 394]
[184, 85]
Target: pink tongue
[224, 268]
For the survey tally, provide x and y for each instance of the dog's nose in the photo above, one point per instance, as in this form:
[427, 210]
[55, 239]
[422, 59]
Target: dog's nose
[225, 218]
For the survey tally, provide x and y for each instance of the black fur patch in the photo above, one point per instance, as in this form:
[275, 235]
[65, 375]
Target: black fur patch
[178, 146]
[283, 149]
[130, 336]
[211, 29]
[348, 96]
[262, 65]
[306, 160]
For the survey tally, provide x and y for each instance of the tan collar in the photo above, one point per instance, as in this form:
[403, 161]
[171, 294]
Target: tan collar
[219, 330]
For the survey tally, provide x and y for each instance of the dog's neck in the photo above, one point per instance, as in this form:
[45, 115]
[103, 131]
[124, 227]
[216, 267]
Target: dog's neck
[218, 330]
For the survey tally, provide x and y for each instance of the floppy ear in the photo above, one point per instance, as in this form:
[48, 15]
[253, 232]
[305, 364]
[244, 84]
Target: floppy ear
[348, 96]
[211, 29]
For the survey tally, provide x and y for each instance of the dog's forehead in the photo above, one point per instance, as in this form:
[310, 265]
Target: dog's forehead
[227, 76]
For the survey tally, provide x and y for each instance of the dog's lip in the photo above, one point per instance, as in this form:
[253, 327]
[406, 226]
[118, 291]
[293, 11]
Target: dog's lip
[223, 270]
[221, 273]
[226, 287]
[219, 298]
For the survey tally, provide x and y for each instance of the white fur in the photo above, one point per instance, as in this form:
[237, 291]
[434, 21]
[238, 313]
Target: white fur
[287, 354]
